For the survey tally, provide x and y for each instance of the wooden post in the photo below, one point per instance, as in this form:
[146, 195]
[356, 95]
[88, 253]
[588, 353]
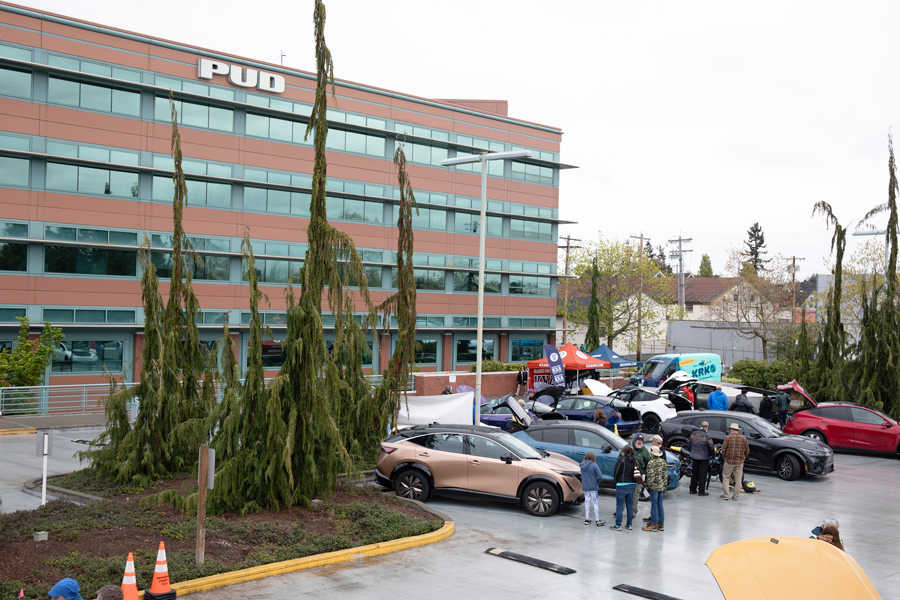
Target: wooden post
[201, 502]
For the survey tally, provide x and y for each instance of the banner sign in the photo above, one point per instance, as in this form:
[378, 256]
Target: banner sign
[554, 360]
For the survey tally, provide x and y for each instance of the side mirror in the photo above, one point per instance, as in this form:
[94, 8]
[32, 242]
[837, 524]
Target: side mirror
[606, 448]
[887, 424]
[506, 458]
[755, 435]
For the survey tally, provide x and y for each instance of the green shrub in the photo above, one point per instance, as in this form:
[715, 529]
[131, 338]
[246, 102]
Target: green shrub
[495, 366]
[778, 373]
[750, 372]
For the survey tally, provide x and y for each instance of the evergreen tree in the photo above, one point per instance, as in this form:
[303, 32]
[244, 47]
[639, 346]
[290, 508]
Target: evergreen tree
[826, 376]
[401, 304]
[756, 247]
[803, 351]
[706, 269]
[660, 259]
[592, 338]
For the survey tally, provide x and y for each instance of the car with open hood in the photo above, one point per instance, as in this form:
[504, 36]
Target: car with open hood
[771, 449]
[654, 408]
[619, 415]
[844, 425]
[479, 462]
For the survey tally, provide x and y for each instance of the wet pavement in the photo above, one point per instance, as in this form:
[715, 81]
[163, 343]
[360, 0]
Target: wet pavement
[862, 494]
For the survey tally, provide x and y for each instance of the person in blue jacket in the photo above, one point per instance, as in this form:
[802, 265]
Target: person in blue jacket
[591, 477]
[717, 400]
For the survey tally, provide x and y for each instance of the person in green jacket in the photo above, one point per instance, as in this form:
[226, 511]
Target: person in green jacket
[784, 403]
[657, 480]
[641, 457]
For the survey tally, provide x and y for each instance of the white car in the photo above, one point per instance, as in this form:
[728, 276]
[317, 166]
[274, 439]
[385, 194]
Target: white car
[654, 408]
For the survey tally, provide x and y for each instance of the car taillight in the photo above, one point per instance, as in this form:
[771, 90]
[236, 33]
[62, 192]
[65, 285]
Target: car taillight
[615, 414]
[669, 405]
[387, 449]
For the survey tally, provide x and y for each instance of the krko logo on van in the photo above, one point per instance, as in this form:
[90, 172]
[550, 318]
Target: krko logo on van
[703, 369]
[241, 76]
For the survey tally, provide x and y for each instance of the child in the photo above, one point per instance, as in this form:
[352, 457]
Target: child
[657, 480]
[590, 485]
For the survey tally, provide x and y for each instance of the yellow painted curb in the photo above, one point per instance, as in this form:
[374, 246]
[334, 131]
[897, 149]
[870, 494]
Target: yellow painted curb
[309, 562]
[20, 430]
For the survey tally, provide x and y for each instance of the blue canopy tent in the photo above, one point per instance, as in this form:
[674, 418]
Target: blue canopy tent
[604, 352]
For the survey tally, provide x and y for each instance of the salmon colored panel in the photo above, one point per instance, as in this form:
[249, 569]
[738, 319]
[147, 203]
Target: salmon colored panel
[21, 20]
[91, 52]
[113, 41]
[18, 108]
[19, 36]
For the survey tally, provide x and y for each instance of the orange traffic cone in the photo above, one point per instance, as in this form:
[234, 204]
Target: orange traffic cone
[160, 588]
[129, 582]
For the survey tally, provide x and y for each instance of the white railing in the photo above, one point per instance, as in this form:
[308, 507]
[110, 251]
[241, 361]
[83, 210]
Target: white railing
[46, 399]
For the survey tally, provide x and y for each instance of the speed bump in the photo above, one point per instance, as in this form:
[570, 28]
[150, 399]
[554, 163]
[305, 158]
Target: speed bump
[535, 562]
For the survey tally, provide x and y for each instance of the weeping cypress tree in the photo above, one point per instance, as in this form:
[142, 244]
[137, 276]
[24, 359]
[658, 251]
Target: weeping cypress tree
[401, 304]
[826, 376]
[592, 338]
[881, 389]
[804, 349]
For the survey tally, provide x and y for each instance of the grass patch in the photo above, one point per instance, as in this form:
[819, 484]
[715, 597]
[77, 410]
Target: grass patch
[88, 481]
[66, 519]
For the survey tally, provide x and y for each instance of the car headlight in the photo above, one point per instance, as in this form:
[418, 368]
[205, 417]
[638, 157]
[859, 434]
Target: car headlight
[818, 453]
[575, 474]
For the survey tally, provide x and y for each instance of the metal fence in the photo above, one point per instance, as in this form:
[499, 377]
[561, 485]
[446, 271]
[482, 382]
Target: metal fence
[47, 399]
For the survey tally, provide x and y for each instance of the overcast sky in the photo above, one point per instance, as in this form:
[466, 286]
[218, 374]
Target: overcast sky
[685, 117]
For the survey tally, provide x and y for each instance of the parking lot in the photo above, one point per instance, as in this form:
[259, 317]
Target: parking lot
[862, 493]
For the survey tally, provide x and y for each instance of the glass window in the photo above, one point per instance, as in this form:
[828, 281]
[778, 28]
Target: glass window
[15, 83]
[88, 356]
[14, 171]
[556, 435]
[839, 413]
[525, 350]
[120, 316]
[861, 415]
[466, 350]
[485, 448]
[95, 97]
[59, 315]
[446, 442]
[426, 351]
[8, 315]
[13, 257]
[90, 261]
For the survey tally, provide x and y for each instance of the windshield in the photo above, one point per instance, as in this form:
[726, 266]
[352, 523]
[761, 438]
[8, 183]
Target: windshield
[882, 415]
[519, 447]
[767, 428]
[654, 368]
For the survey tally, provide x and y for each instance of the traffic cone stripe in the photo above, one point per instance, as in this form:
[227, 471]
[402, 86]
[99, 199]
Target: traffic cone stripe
[129, 579]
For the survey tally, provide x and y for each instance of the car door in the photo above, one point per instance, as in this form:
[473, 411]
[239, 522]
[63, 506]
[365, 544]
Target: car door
[486, 472]
[557, 439]
[589, 441]
[755, 440]
[499, 416]
[871, 434]
[582, 409]
[445, 455]
[701, 395]
[716, 428]
[838, 426]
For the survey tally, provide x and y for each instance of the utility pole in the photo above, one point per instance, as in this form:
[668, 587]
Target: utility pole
[679, 254]
[794, 260]
[282, 57]
[568, 247]
[640, 290]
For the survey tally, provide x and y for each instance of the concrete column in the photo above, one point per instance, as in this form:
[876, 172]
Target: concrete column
[504, 343]
[447, 352]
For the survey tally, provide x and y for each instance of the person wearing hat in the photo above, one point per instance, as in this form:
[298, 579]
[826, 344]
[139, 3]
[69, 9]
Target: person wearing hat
[65, 589]
[657, 481]
[656, 442]
[700, 449]
[735, 450]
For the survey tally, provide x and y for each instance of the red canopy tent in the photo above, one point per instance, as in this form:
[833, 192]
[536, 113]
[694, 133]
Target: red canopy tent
[573, 359]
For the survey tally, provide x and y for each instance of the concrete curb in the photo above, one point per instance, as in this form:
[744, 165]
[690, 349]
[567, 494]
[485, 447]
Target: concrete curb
[34, 487]
[20, 430]
[309, 562]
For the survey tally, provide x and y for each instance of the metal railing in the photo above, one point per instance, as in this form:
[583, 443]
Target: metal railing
[47, 399]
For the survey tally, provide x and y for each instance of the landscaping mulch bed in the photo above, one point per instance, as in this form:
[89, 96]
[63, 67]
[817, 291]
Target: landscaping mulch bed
[90, 543]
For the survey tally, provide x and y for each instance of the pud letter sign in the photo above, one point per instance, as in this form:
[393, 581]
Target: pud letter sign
[241, 77]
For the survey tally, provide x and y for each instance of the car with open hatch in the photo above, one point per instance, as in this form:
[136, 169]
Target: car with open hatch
[654, 408]
[790, 456]
[478, 462]
[619, 414]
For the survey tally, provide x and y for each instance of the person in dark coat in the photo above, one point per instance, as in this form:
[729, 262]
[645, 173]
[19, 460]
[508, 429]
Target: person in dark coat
[742, 404]
[447, 391]
[784, 403]
[765, 408]
[521, 380]
[624, 475]
[651, 381]
[700, 447]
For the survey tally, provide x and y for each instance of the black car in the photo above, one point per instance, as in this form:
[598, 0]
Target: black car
[790, 456]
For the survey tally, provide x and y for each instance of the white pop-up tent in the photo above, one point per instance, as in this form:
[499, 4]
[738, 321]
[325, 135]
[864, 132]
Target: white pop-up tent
[451, 409]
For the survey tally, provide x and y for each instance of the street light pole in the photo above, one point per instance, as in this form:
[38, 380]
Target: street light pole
[483, 158]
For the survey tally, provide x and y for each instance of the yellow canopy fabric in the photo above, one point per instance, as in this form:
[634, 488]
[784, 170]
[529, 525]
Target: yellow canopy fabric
[788, 568]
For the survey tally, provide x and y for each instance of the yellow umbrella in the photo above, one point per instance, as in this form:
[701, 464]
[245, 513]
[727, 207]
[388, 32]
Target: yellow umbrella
[788, 568]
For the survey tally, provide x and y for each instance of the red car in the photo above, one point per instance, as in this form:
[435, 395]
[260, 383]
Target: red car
[845, 425]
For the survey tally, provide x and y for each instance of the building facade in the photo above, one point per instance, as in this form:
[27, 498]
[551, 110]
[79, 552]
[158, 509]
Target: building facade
[86, 180]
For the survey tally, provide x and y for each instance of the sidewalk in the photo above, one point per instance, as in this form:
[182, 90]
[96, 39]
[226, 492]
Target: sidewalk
[32, 423]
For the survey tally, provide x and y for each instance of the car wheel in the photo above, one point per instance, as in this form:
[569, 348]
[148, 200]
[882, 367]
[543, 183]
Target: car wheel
[541, 499]
[787, 467]
[651, 423]
[412, 484]
[816, 435]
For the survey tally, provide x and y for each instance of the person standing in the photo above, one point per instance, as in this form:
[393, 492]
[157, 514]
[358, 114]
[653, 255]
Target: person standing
[689, 395]
[447, 391]
[641, 457]
[591, 478]
[717, 400]
[626, 475]
[742, 404]
[700, 447]
[765, 408]
[735, 449]
[521, 380]
[657, 481]
[784, 403]
[651, 381]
